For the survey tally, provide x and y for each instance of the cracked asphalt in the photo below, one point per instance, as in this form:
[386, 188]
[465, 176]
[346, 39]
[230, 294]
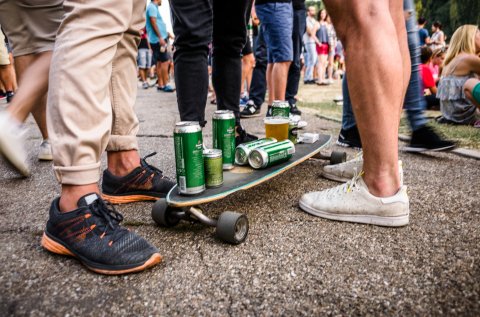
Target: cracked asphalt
[291, 263]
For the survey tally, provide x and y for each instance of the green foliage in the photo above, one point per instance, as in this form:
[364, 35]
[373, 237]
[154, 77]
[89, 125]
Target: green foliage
[318, 4]
[451, 13]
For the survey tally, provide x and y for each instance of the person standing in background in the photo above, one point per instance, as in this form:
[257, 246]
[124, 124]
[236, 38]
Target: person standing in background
[144, 60]
[276, 17]
[196, 24]
[332, 45]
[424, 37]
[158, 37]
[7, 73]
[294, 71]
[322, 47]
[437, 39]
[31, 27]
[310, 40]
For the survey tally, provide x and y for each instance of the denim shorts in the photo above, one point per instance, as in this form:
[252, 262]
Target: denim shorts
[277, 21]
[144, 58]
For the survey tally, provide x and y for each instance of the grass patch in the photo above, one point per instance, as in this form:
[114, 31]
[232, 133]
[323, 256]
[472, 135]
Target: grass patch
[327, 108]
[466, 136]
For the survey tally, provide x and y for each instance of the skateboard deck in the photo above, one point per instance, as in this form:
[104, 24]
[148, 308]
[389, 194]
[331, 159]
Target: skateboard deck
[244, 177]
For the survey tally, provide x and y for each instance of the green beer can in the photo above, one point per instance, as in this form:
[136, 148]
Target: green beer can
[243, 150]
[223, 123]
[280, 109]
[272, 154]
[188, 142]
[213, 168]
[293, 132]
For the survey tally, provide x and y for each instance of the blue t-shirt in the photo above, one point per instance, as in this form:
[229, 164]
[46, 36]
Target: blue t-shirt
[152, 11]
[422, 34]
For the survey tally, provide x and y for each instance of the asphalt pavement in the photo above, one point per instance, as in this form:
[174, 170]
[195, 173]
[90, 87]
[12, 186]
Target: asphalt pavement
[291, 263]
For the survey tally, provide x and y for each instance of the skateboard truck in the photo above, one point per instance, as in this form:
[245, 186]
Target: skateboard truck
[335, 157]
[231, 227]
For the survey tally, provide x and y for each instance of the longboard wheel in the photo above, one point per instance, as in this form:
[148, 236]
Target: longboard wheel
[232, 227]
[162, 214]
[338, 157]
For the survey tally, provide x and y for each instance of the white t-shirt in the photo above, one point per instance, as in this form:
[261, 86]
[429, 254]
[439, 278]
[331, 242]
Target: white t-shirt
[311, 23]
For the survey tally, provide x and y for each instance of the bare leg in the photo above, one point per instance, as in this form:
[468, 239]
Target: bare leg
[143, 74]
[330, 67]
[164, 72]
[32, 72]
[12, 70]
[270, 83]
[251, 65]
[468, 88]
[6, 77]
[377, 88]
[158, 68]
[321, 67]
[72, 193]
[279, 77]
[248, 62]
[121, 163]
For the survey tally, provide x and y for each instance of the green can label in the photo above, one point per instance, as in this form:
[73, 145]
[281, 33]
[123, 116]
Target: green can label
[189, 161]
[293, 132]
[213, 168]
[280, 109]
[223, 125]
[243, 150]
[269, 155]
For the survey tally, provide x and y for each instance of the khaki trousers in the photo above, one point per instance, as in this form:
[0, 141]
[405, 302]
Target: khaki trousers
[93, 85]
[31, 25]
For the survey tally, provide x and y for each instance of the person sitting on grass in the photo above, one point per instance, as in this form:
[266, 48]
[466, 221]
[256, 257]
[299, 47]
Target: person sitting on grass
[436, 65]
[459, 88]
[429, 86]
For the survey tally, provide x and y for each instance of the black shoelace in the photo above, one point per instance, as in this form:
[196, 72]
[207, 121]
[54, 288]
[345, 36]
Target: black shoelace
[152, 168]
[111, 219]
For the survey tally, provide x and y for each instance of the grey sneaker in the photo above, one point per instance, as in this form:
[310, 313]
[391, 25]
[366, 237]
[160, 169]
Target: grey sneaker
[12, 143]
[353, 202]
[45, 153]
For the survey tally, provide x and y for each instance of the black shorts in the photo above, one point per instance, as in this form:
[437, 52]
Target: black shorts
[247, 49]
[158, 56]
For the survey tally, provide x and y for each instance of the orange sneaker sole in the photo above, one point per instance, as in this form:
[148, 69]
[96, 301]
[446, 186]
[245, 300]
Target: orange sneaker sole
[57, 248]
[128, 199]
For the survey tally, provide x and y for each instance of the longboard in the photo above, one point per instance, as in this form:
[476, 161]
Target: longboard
[230, 226]
[245, 177]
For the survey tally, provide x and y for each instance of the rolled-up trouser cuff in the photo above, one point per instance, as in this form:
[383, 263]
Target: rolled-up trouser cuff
[122, 143]
[78, 175]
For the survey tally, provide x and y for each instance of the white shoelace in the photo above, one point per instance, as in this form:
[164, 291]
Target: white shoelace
[347, 187]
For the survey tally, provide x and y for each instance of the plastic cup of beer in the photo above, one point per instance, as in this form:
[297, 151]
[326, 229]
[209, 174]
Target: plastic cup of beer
[276, 127]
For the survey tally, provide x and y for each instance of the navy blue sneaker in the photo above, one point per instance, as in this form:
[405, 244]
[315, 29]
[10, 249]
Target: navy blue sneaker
[426, 139]
[92, 234]
[250, 110]
[350, 138]
[145, 183]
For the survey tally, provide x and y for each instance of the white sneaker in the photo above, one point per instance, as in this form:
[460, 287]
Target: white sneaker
[298, 120]
[12, 143]
[344, 172]
[45, 153]
[353, 202]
